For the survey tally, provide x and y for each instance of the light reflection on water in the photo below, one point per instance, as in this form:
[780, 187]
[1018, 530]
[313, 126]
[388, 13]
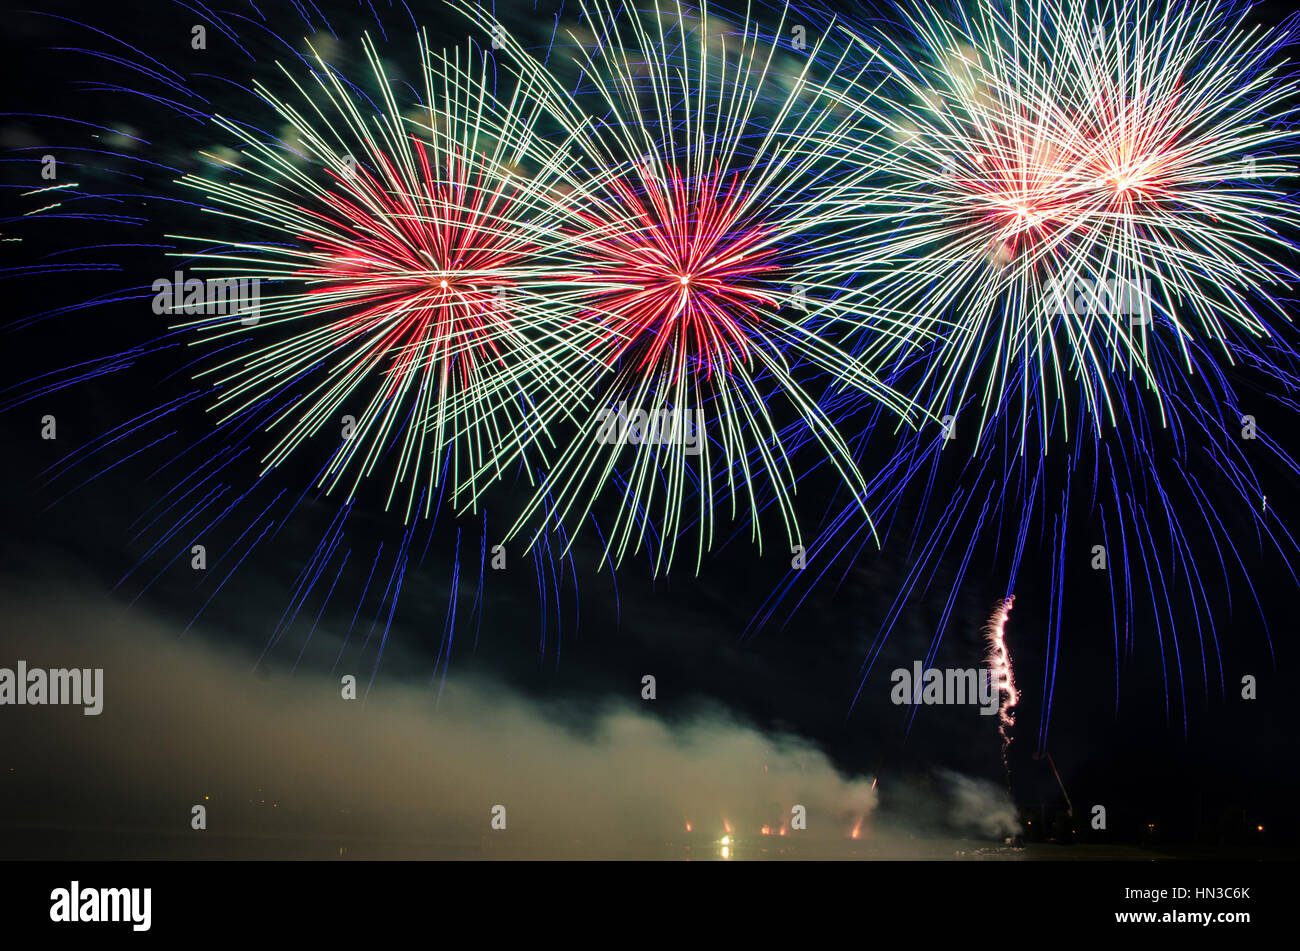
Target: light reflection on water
[88, 844]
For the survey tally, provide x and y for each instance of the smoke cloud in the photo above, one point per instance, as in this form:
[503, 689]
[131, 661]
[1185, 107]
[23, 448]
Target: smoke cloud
[413, 771]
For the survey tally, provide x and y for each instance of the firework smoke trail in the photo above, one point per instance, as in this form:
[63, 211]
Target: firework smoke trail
[998, 661]
[712, 255]
[1154, 416]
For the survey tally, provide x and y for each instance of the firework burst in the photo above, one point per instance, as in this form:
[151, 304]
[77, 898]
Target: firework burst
[1032, 156]
[712, 268]
[412, 288]
[399, 236]
[1065, 184]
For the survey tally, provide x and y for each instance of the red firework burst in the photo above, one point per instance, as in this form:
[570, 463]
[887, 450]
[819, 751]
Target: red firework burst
[1132, 154]
[1017, 189]
[677, 268]
[425, 261]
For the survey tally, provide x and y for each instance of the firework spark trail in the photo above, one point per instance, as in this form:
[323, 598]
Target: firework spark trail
[694, 229]
[998, 660]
